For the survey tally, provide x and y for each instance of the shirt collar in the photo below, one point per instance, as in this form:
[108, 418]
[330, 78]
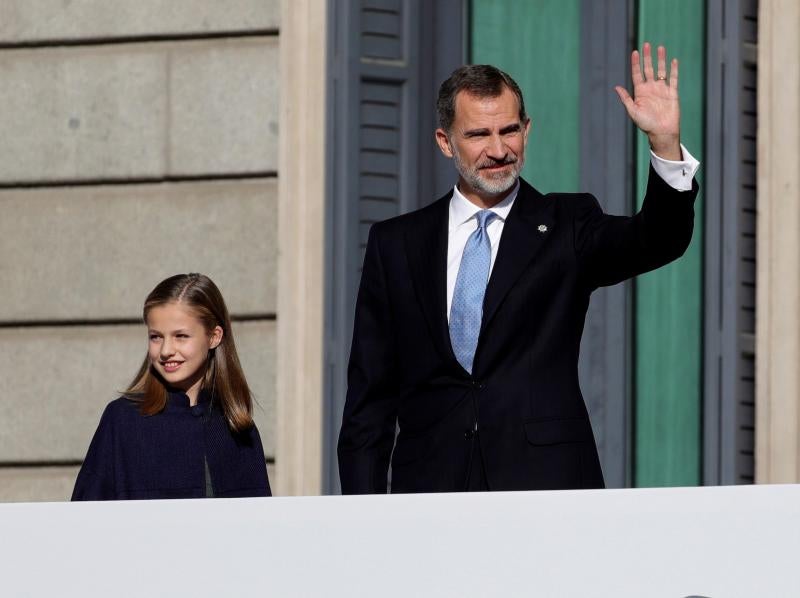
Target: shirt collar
[462, 210]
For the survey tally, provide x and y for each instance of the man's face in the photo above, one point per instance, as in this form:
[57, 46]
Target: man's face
[487, 143]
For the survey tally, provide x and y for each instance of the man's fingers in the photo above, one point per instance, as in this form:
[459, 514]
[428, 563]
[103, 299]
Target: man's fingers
[647, 54]
[673, 74]
[636, 68]
[662, 63]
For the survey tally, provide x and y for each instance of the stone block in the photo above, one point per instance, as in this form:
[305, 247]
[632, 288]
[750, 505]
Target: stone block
[37, 484]
[224, 107]
[255, 343]
[56, 381]
[93, 253]
[139, 111]
[83, 113]
[44, 20]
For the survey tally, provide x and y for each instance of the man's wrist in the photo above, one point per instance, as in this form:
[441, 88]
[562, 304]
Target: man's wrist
[666, 147]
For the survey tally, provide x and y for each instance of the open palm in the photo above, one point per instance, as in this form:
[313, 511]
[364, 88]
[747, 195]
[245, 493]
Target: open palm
[655, 107]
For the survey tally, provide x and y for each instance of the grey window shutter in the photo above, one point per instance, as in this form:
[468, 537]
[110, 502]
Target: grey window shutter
[606, 166]
[730, 175]
[387, 59]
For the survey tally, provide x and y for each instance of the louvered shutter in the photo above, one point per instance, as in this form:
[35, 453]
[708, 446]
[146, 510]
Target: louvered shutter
[387, 59]
[729, 381]
[606, 172]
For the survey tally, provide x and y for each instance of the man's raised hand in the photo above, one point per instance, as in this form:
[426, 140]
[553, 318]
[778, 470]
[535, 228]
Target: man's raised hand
[655, 107]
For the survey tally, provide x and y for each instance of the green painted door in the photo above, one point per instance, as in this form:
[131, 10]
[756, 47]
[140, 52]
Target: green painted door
[668, 319]
[537, 43]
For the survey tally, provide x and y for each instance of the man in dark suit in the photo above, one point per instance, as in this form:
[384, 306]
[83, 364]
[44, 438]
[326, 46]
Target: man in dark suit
[482, 377]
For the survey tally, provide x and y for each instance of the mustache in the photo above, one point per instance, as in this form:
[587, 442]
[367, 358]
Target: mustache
[492, 163]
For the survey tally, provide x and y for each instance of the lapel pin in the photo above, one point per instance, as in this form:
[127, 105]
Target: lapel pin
[542, 228]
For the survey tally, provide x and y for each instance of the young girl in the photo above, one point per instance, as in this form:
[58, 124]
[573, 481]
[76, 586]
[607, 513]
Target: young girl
[184, 428]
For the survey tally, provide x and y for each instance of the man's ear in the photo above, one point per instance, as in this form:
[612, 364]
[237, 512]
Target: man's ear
[216, 337]
[443, 141]
[527, 129]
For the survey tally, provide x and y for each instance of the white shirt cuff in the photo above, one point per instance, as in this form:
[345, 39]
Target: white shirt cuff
[678, 174]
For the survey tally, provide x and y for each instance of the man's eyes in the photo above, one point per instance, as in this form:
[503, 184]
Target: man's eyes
[504, 133]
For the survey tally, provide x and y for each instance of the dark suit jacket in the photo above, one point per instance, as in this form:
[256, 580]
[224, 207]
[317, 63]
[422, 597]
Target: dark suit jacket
[523, 393]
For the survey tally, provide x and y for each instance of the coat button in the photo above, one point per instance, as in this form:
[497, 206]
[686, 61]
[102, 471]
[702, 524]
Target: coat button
[469, 434]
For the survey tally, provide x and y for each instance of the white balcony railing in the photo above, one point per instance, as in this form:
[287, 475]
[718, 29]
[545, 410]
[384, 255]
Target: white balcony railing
[716, 542]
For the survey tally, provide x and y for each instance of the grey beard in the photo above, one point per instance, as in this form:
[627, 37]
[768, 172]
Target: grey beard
[490, 187]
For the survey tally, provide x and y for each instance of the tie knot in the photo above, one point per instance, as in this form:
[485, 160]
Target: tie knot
[484, 218]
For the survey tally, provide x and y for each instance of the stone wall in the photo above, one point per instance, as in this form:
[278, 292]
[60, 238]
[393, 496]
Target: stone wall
[138, 139]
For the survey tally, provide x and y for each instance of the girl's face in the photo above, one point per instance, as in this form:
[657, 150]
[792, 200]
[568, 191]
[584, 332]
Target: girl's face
[178, 346]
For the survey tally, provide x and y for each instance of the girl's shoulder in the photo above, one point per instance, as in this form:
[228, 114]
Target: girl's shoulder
[121, 408]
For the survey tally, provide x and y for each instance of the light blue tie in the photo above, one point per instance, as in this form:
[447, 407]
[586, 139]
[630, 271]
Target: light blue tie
[466, 309]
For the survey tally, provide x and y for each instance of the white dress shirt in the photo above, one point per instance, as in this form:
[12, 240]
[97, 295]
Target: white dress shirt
[462, 221]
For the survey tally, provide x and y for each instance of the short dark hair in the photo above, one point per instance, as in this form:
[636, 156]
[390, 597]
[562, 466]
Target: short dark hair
[481, 80]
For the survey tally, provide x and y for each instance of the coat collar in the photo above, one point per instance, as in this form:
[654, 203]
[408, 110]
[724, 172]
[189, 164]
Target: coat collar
[177, 400]
[426, 248]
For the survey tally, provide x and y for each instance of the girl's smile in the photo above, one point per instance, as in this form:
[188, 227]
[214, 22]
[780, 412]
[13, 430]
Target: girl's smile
[171, 366]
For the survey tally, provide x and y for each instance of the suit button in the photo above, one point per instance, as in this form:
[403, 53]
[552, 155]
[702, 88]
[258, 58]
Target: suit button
[477, 384]
[469, 434]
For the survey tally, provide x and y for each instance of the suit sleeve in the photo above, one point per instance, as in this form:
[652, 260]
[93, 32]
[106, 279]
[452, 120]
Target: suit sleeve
[368, 424]
[96, 478]
[611, 249]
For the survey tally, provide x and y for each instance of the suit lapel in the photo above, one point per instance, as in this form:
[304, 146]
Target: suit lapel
[426, 248]
[527, 228]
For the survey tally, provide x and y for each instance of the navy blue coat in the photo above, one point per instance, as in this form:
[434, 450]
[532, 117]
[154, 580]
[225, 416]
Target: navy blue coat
[133, 456]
